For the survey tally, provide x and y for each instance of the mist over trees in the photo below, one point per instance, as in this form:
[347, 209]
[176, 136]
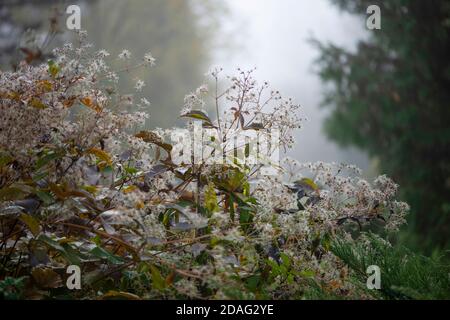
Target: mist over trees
[161, 26]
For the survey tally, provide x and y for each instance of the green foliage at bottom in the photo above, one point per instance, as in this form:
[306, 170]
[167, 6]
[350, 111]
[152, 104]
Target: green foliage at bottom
[404, 274]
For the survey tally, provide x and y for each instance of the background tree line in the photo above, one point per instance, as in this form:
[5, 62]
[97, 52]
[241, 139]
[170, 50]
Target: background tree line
[391, 98]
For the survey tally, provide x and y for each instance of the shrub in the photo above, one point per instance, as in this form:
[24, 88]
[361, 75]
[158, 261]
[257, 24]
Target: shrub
[82, 183]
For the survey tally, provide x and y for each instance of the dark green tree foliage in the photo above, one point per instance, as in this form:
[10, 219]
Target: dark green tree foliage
[391, 97]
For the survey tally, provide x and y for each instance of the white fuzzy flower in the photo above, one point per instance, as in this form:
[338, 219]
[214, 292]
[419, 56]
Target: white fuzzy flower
[149, 60]
[203, 89]
[145, 102]
[139, 85]
[125, 55]
[102, 53]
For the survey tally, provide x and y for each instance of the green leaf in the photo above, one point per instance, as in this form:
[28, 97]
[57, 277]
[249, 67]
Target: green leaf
[254, 126]
[307, 182]
[12, 288]
[46, 197]
[36, 103]
[39, 176]
[326, 242]
[90, 189]
[106, 255]
[231, 206]
[306, 274]
[245, 218]
[15, 191]
[53, 68]
[120, 295]
[131, 170]
[199, 115]
[49, 156]
[253, 282]
[290, 278]
[246, 189]
[152, 137]
[158, 281]
[46, 278]
[69, 255]
[107, 170]
[31, 223]
[5, 160]
[275, 267]
[286, 260]
[100, 154]
[11, 193]
[211, 199]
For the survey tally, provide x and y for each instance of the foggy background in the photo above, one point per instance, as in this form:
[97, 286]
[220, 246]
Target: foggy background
[273, 36]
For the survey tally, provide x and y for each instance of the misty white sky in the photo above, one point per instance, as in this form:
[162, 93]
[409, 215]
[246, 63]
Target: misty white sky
[272, 35]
